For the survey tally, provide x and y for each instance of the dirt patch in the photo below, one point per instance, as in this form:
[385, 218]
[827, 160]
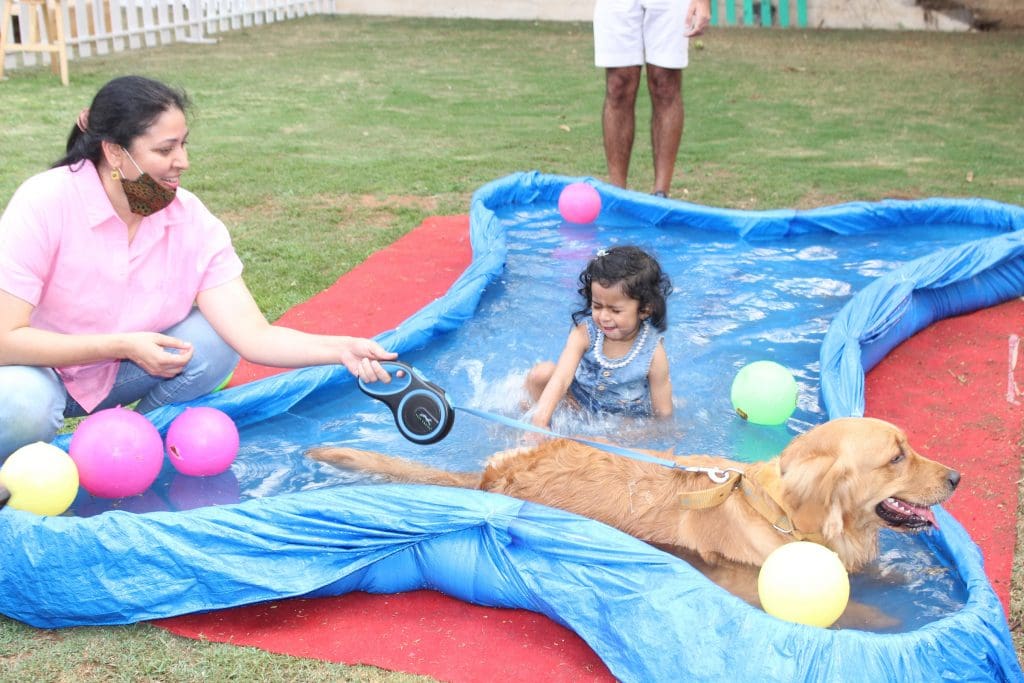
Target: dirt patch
[425, 204]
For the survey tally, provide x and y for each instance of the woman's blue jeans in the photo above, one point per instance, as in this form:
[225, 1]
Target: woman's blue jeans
[34, 402]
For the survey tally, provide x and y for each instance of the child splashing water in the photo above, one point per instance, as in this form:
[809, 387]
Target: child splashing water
[614, 360]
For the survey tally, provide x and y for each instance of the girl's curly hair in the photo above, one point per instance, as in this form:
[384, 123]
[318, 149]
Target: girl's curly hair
[639, 273]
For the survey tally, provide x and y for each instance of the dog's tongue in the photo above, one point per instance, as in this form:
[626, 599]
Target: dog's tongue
[922, 512]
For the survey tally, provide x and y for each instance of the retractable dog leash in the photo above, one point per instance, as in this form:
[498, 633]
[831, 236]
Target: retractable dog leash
[422, 411]
[425, 415]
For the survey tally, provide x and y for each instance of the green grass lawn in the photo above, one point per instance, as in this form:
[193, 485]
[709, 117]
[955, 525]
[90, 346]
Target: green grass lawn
[322, 140]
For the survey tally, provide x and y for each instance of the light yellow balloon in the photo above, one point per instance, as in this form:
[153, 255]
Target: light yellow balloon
[805, 583]
[41, 478]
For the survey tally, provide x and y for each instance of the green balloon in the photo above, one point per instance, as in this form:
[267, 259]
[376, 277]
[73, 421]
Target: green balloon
[764, 393]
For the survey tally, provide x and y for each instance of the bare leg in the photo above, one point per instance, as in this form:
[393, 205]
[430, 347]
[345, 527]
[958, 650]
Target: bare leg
[619, 120]
[538, 378]
[666, 88]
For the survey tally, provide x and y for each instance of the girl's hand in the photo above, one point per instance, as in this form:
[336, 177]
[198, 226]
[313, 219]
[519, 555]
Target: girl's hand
[158, 354]
[532, 439]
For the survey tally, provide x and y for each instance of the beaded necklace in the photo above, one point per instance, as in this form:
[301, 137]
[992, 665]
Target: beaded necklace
[638, 346]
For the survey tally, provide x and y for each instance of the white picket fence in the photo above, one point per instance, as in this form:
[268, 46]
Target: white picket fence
[99, 27]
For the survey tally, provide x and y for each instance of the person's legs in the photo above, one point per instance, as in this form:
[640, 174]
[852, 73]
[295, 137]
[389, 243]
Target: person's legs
[618, 120]
[212, 361]
[665, 86]
[666, 52]
[619, 49]
[34, 402]
[31, 406]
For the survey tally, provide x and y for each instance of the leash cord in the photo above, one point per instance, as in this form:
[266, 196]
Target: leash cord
[716, 474]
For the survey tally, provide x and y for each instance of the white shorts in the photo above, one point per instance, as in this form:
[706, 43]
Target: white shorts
[637, 32]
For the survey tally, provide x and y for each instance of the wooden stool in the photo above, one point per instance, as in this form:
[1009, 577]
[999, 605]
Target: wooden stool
[29, 25]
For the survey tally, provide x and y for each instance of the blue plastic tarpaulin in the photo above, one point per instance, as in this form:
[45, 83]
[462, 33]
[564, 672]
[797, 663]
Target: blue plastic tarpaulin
[648, 615]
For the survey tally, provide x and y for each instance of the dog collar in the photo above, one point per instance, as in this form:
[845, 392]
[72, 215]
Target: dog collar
[761, 499]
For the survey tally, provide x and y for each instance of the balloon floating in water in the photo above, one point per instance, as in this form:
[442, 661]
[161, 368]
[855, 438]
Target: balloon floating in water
[805, 583]
[41, 478]
[202, 442]
[119, 453]
[579, 203]
[764, 393]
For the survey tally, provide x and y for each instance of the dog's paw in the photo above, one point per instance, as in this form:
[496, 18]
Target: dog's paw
[865, 618]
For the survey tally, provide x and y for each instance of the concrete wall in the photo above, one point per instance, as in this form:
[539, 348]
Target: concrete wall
[544, 10]
[904, 15]
[880, 14]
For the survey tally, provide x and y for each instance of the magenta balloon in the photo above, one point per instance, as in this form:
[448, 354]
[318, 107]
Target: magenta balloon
[118, 453]
[579, 203]
[202, 442]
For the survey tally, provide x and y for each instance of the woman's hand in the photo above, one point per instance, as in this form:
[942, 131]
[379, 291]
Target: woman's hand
[361, 357]
[158, 354]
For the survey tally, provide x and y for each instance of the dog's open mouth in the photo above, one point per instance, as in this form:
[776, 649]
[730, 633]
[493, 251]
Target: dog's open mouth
[900, 513]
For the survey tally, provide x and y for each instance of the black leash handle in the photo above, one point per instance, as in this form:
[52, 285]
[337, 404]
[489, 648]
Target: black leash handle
[421, 408]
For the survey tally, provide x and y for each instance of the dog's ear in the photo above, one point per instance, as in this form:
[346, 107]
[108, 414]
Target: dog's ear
[816, 487]
[818, 497]
[838, 487]
[805, 460]
[809, 447]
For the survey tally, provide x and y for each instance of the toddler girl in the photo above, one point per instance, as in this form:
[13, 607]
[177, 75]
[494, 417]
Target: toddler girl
[614, 360]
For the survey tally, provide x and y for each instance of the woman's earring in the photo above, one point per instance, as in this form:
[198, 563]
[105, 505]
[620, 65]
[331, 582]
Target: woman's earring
[115, 175]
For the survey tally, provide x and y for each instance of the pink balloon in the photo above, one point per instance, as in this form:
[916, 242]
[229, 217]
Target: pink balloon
[579, 203]
[202, 442]
[118, 453]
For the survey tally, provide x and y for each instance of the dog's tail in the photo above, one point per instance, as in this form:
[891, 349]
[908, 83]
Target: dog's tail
[395, 469]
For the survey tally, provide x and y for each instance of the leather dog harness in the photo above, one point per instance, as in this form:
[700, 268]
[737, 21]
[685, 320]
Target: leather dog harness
[757, 495]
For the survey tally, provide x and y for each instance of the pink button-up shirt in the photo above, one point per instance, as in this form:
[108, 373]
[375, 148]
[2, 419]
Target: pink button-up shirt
[64, 250]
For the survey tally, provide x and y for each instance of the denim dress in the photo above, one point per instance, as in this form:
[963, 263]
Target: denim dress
[607, 388]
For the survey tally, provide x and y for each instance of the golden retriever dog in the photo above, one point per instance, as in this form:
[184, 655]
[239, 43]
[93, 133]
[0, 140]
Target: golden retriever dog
[838, 484]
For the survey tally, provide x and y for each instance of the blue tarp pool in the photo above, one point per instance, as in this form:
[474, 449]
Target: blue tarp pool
[827, 292]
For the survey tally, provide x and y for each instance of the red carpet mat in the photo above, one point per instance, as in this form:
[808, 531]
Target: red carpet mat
[951, 387]
[385, 289]
[421, 632]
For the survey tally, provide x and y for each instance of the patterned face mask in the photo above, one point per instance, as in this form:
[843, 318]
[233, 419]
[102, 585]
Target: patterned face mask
[145, 195]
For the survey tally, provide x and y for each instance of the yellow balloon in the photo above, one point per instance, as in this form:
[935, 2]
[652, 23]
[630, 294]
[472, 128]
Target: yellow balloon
[805, 583]
[41, 478]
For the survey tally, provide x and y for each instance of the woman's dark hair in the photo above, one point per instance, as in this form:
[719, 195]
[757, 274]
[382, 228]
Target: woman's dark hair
[121, 111]
[639, 273]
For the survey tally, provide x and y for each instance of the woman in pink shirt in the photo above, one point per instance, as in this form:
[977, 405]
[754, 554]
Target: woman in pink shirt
[117, 285]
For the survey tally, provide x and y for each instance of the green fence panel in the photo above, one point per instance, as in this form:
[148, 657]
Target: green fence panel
[760, 13]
